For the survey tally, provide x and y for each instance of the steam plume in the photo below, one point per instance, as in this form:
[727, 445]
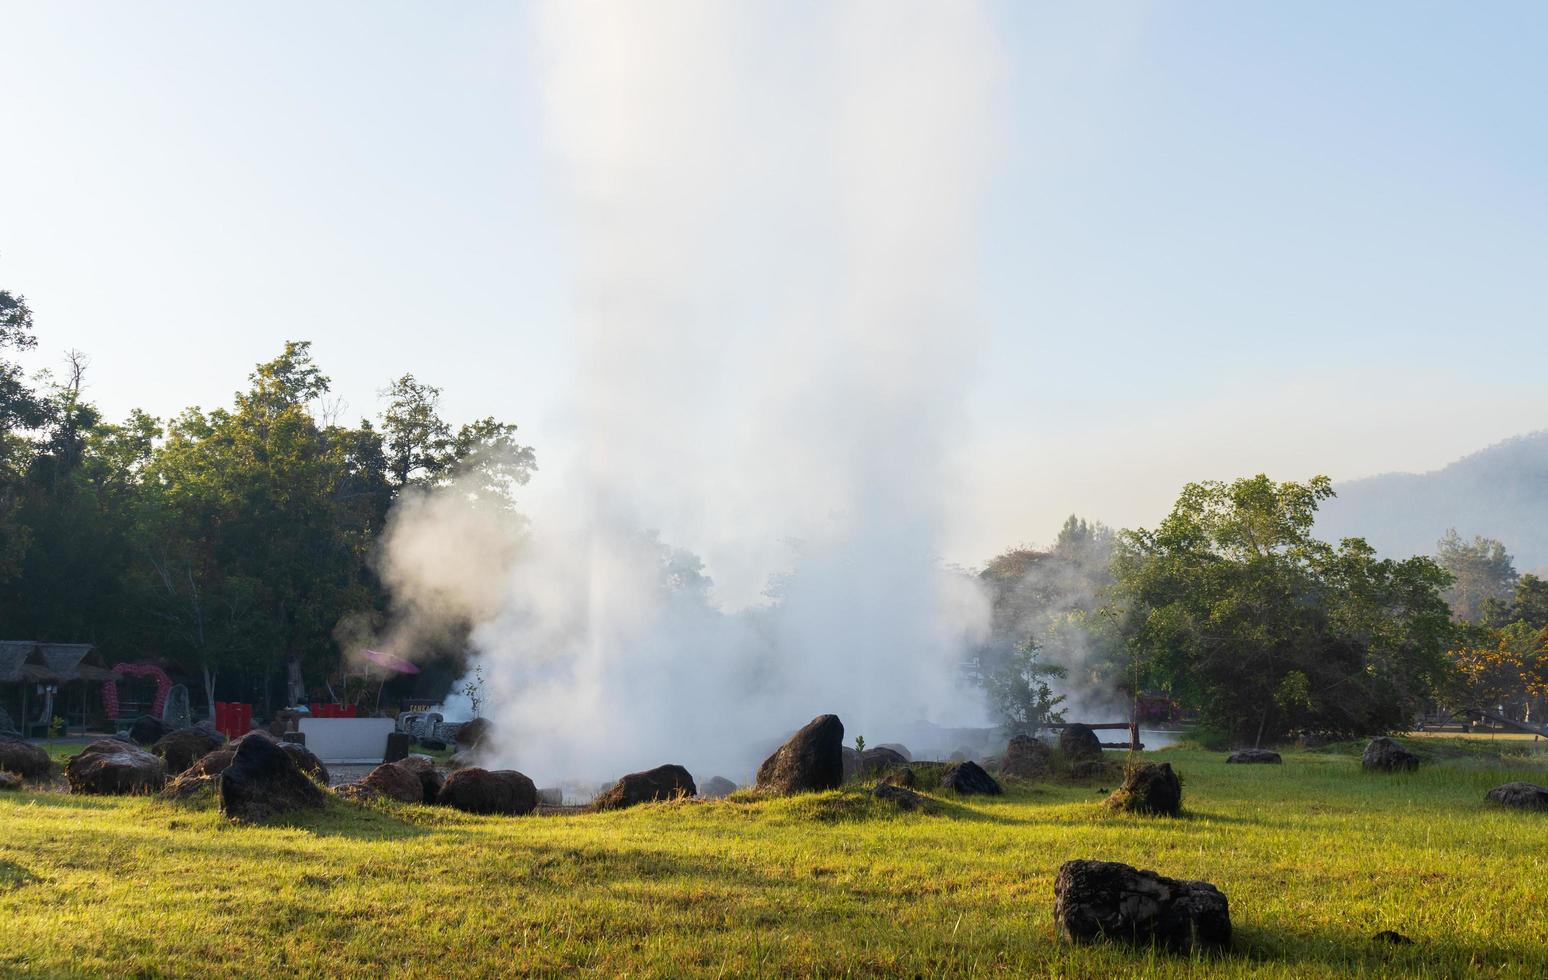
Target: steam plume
[776, 213]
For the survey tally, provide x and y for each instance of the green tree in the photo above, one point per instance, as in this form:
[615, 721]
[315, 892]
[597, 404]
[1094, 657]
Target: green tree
[1234, 606]
[20, 412]
[1481, 570]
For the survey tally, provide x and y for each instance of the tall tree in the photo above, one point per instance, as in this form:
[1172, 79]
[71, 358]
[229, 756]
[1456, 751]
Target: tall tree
[1265, 630]
[1481, 570]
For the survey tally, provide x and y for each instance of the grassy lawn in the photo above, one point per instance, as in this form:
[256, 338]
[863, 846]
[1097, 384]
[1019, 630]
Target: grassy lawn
[1314, 855]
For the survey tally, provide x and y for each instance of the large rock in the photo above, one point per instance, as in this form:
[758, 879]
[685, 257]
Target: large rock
[1095, 900]
[392, 780]
[904, 798]
[474, 790]
[661, 783]
[1253, 756]
[874, 762]
[716, 787]
[181, 749]
[176, 714]
[968, 778]
[146, 730]
[306, 761]
[1078, 741]
[1150, 787]
[475, 733]
[1384, 755]
[899, 749]
[1026, 758]
[114, 768]
[811, 760]
[1525, 796]
[263, 782]
[24, 759]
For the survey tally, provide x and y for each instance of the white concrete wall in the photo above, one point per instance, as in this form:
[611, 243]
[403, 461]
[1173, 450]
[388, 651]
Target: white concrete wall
[347, 739]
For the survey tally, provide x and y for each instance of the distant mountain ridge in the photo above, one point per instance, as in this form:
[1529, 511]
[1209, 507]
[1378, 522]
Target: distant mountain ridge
[1499, 492]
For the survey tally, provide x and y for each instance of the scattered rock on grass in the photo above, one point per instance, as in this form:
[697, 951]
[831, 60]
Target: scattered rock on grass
[1096, 900]
[906, 799]
[1151, 788]
[390, 780]
[1524, 796]
[903, 776]
[24, 759]
[811, 760]
[1078, 741]
[430, 778]
[503, 791]
[661, 783]
[112, 768]
[969, 777]
[1250, 756]
[1026, 758]
[9, 780]
[716, 787]
[1385, 755]
[184, 747]
[263, 782]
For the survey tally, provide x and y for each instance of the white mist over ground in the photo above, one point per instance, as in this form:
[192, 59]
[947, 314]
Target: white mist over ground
[776, 220]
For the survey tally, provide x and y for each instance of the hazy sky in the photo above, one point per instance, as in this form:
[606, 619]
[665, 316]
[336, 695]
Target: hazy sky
[1223, 237]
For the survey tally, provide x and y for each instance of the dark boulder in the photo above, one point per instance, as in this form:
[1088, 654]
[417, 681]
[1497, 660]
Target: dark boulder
[899, 749]
[475, 733]
[880, 759]
[263, 782]
[146, 730]
[391, 780]
[906, 799]
[1026, 758]
[113, 768]
[306, 761]
[1524, 796]
[1253, 756]
[969, 777]
[474, 790]
[1151, 787]
[184, 747]
[904, 776]
[811, 760]
[24, 759]
[1078, 741]
[1095, 900]
[1385, 755]
[667, 782]
[716, 787]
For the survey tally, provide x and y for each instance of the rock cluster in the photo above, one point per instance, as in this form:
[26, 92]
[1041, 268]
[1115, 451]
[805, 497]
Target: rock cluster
[263, 781]
[182, 748]
[1026, 758]
[906, 799]
[1096, 900]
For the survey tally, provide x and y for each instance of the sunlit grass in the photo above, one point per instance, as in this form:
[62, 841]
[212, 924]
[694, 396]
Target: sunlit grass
[1314, 855]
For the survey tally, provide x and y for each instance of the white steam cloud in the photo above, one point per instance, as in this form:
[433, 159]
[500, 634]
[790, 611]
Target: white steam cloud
[776, 224]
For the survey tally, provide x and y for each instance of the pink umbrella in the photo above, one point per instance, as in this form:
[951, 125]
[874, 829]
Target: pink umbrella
[389, 661]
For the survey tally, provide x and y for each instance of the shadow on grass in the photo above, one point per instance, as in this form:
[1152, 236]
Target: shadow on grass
[13, 875]
[1357, 953]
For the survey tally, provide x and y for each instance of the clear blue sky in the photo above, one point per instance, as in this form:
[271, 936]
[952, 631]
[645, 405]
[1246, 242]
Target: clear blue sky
[1225, 237]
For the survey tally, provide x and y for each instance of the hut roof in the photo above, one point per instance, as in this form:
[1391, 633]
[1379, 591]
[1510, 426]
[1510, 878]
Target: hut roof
[28, 662]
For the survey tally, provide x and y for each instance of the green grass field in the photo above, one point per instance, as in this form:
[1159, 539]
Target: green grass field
[1314, 856]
